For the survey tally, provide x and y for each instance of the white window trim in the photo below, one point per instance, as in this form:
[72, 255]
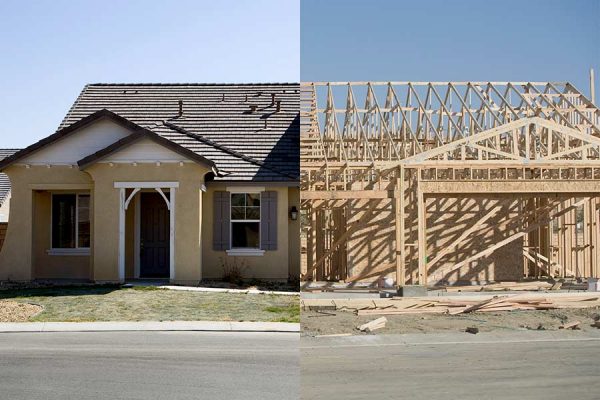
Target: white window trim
[81, 251]
[145, 185]
[62, 251]
[245, 251]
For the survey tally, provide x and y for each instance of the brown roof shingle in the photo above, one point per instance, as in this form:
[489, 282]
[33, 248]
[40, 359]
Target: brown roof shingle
[216, 122]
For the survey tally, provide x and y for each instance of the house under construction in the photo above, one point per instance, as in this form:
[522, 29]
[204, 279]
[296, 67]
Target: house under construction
[449, 182]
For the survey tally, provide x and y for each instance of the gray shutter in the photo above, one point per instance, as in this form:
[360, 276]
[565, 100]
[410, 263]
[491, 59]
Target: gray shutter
[222, 220]
[268, 221]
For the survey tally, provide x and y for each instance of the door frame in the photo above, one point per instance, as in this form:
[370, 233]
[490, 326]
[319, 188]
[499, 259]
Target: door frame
[124, 202]
[137, 235]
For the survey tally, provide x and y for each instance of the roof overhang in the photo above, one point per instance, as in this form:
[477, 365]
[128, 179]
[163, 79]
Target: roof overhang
[138, 133]
[135, 137]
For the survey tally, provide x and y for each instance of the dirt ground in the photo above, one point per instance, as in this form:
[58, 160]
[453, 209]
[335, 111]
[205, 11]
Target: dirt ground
[12, 311]
[340, 322]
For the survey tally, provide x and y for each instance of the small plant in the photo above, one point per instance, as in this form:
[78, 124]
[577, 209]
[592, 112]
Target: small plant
[233, 272]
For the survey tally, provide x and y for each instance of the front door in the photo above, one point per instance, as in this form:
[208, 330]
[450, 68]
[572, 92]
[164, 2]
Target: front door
[154, 236]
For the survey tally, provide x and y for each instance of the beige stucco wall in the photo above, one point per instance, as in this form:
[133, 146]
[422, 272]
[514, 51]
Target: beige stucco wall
[24, 254]
[188, 203]
[273, 265]
[17, 254]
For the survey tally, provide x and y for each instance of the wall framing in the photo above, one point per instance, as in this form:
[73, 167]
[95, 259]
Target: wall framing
[520, 159]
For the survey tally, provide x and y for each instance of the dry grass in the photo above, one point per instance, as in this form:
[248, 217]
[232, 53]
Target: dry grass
[107, 303]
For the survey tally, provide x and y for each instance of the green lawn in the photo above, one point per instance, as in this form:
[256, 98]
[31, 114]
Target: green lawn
[105, 303]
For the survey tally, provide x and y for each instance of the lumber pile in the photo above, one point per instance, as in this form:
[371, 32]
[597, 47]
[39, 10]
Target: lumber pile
[454, 305]
[506, 286]
[571, 325]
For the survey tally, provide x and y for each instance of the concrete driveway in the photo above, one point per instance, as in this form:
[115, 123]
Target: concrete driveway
[511, 365]
[149, 365]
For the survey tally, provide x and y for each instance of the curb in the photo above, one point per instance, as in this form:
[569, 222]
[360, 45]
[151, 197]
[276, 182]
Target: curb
[224, 290]
[156, 326]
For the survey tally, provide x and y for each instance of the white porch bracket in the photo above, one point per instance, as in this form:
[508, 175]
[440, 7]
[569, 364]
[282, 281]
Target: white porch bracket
[124, 202]
[131, 196]
[159, 190]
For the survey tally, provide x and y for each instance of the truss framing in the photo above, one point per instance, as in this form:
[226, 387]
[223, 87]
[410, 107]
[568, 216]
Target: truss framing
[402, 144]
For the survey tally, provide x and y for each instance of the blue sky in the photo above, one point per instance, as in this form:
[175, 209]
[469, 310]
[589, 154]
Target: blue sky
[51, 48]
[461, 40]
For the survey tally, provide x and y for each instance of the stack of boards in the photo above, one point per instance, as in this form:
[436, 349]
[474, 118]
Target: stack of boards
[453, 306]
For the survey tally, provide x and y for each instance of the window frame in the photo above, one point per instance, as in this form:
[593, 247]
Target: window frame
[65, 250]
[232, 221]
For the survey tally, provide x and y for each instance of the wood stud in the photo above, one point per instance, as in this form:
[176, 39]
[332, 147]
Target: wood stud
[410, 138]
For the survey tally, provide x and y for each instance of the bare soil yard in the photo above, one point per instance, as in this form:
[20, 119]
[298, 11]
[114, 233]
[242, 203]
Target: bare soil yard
[340, 322]
[112, 303]
[12, 311]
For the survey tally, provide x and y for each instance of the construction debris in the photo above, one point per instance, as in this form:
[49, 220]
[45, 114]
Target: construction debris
[571, 325]
[373, 325]
[454, 305]
[505, 286]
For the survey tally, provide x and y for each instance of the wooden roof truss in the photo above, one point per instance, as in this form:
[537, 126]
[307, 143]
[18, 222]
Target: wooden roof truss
[392, 138]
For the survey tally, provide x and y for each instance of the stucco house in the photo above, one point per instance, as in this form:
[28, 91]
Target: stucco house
[169, 181]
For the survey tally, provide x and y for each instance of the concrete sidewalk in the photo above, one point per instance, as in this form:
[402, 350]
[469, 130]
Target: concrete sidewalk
[206, 326]
[225, 290]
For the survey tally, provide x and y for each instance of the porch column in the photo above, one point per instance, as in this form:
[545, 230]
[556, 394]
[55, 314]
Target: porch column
[122, 234]
[171, 206]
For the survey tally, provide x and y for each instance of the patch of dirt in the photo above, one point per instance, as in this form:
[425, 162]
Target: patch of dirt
[11, 311]
[339, 322]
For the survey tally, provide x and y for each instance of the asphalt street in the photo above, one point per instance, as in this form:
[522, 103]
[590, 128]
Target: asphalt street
[512, 365]
[149, 365]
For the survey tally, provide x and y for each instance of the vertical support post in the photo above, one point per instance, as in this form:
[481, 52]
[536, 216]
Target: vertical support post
[137, 237]
[594, 228]
[122, 234]
[312, 245]
[569, 232]
[560, 241]
[422, 230]
[587, 238]
[172, 234]
[399, 197]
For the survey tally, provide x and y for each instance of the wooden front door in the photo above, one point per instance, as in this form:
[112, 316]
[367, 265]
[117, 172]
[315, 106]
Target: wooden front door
[154, 236]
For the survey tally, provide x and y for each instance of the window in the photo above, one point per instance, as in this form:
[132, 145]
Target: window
[245, 220]
[70, 221]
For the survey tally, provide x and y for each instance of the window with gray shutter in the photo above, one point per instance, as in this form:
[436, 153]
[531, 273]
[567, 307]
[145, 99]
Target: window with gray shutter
[268, 229]
[221, 223]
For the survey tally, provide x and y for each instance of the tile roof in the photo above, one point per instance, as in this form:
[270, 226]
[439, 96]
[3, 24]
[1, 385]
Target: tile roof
[4, 181]
[216, 122]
